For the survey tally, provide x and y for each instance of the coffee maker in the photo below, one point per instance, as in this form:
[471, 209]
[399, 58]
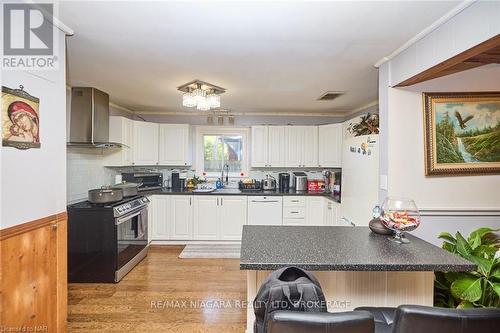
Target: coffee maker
[284, 181]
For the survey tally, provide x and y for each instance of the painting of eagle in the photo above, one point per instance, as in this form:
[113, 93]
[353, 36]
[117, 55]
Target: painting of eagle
[462, 132]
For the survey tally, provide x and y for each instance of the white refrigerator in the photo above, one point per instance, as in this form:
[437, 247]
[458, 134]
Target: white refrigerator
[360, 179]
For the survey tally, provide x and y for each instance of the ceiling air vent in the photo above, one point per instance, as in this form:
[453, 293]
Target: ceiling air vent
[330, 95]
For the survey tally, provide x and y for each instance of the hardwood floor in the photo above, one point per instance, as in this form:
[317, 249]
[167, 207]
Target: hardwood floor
[163, 294]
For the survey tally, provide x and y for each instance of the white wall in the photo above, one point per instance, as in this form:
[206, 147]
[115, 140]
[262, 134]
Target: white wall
[406, 147]
[473, 25]
[403, 118]
[34, 180]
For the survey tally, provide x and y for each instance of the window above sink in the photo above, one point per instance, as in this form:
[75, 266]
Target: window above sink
[219, 146]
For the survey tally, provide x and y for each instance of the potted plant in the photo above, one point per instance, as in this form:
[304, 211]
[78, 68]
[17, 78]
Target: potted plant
[479, 288]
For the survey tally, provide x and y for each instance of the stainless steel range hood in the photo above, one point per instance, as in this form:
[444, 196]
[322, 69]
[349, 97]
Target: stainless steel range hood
[89, 119]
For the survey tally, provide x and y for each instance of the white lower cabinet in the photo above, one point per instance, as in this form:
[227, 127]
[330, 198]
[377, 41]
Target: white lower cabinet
[181, 217]
[219, 217]
[158, 210]
[332, 212]
[315, 210]
[232, 216]
[206, 215]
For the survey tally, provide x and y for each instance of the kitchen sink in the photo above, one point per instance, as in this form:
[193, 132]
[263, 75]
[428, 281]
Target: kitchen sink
[227, 191]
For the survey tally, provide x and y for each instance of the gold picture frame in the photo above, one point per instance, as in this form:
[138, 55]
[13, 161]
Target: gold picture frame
[462, 133]
[20, 119]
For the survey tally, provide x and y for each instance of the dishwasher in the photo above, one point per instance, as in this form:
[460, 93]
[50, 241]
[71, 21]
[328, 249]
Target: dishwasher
[265, 210]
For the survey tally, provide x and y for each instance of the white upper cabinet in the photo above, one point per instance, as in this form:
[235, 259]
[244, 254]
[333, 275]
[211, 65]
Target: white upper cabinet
[121, 130]
[145, 148]
[330, 145]
[301, 146]
[276, 146]
[259, 147]
[294, 138]
[310, 150]
[175, 145]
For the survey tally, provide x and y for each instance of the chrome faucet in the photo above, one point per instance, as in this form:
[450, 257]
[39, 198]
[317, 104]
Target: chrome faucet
[226, 181]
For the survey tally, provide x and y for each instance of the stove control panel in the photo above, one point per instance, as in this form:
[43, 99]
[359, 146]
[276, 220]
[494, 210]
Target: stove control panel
[130, 206]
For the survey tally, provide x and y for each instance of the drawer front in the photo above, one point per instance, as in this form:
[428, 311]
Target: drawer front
[294, 221]
[294, 212]
[294, 201]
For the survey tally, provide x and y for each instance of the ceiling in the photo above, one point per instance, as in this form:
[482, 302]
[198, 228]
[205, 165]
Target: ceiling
[272, 57]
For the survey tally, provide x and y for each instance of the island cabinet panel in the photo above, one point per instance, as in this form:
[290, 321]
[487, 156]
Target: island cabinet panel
[232, 216]
[347, 290]
[175, 145]
[145, 150]
[206, 216]
[259, 149]
[181, 217]
[159, 224]
[330, 145]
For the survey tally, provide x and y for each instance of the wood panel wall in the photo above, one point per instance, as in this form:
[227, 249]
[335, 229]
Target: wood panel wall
[33, 275]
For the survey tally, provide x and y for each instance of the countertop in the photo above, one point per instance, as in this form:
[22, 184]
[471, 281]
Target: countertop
[336, 248]
[230, 191]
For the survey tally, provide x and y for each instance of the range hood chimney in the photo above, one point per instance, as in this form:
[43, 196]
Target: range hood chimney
[89, 119]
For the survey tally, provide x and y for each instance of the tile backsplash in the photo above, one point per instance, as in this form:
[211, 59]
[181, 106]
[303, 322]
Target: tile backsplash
[85, 171]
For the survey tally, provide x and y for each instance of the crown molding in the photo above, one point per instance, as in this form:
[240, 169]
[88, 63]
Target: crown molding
[121, 108]
[266, 114]
[439, 22]
[363, 107]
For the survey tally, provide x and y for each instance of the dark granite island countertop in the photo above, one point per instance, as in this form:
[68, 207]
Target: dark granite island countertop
[339, 248]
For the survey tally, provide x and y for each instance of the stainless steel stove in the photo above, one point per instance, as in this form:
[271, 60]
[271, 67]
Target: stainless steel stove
[105, 241]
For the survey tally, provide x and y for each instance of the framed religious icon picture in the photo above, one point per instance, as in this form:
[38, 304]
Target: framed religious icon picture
[20, 119]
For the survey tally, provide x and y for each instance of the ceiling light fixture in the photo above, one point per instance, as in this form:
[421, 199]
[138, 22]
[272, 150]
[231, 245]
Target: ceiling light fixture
[202, 95]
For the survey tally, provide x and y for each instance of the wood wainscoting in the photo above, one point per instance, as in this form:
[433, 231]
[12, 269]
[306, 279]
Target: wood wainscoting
[33, 276]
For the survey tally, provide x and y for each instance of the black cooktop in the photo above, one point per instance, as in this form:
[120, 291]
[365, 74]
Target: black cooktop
[88, 205]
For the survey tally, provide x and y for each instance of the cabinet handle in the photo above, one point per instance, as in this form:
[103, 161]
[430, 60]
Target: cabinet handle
[190, 201]
[294, 212]
[221, 201]
[54, 226]
[217, 201]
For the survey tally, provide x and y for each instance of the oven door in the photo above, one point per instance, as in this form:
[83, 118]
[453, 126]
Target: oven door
[132, 241]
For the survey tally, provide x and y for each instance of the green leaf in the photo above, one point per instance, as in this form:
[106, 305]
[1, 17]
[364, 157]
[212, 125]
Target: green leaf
[465, 305]
[481, 232]
[449, 247]
[467, 289]
[453, 276]
[485, 251]
[484, 265]
[463, 247]
[474, 241]
[496, 288]
[495, 274]
[447, 236]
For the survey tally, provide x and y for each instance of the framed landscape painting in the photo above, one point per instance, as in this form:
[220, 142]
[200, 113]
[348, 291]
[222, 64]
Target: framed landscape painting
[462, 133]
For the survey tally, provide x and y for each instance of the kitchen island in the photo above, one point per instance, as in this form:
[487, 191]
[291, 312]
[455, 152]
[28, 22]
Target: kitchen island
[354, 266]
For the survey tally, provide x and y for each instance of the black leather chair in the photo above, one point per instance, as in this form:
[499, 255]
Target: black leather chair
[426, 319]
[316, 322]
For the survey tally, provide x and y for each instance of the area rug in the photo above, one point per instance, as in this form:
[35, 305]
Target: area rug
[231, 251]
